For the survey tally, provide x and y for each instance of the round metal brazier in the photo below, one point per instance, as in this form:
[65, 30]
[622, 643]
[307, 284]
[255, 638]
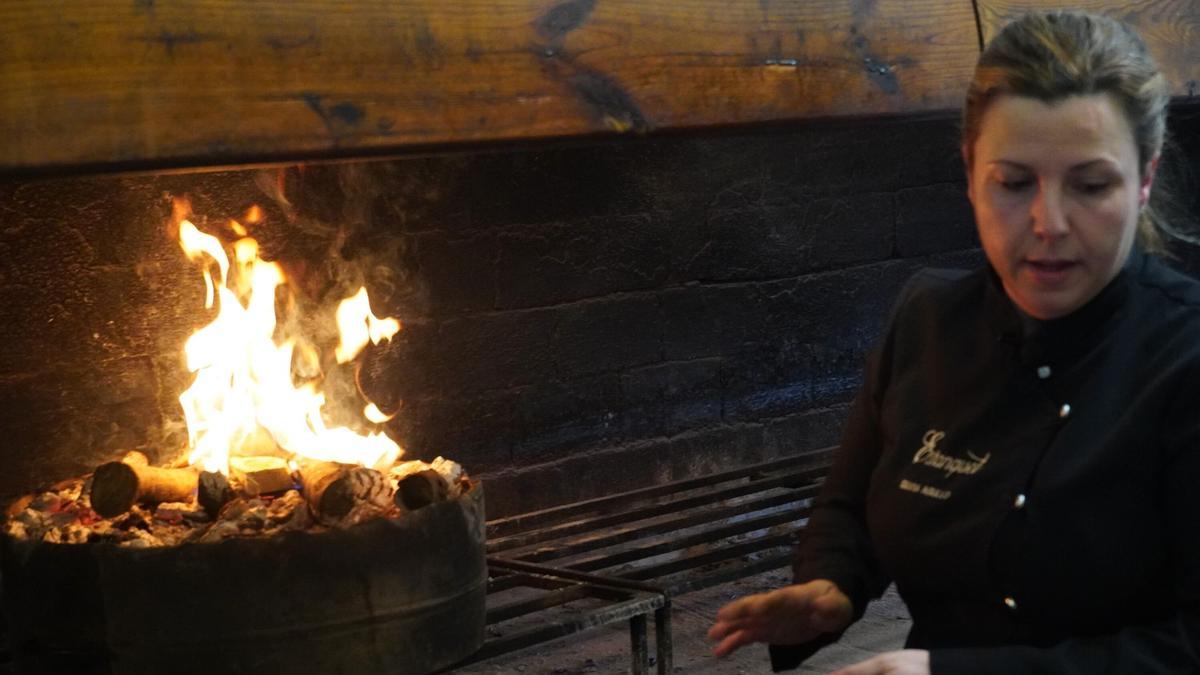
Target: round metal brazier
[396, 596]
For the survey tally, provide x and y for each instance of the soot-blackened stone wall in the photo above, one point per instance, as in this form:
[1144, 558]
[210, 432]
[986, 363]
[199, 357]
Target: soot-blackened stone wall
[578, 319]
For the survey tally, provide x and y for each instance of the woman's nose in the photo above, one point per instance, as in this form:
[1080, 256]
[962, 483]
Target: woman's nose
[1049, 218]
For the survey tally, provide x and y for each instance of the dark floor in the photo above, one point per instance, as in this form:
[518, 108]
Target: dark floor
[606, 649]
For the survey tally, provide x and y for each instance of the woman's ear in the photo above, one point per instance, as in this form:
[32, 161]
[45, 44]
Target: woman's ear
[1147, 180]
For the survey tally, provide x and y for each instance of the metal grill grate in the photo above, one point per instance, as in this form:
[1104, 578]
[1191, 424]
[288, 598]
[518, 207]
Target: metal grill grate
[631, 552]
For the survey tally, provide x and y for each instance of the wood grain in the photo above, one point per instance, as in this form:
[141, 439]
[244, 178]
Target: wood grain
[1171, 29]
[156, 83]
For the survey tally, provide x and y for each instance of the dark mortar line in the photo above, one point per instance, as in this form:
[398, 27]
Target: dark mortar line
[940, 184]
[518, 390]
[816, 274]
[661, 333]
[823, 272]
[895, 251]
[637, 444]
[805, 202]
[651, 442]
[523, 388]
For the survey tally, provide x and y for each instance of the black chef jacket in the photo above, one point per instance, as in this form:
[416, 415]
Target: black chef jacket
[1032, 487]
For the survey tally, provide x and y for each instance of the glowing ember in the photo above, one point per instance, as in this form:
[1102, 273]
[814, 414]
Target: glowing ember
[244, 385]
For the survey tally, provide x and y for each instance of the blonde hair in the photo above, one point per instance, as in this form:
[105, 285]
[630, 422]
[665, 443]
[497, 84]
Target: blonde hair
[1052, 55]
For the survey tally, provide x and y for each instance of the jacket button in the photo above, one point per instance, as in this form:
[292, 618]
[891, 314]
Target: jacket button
[1010, 603]
[1043, 372]
[1019, 502]
[1065, 410]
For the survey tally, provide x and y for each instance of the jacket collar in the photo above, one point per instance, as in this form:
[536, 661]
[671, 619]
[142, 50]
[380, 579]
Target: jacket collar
[1065, 339]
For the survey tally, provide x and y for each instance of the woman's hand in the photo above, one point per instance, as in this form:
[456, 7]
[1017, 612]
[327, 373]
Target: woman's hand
[905, 662]
[789, 615]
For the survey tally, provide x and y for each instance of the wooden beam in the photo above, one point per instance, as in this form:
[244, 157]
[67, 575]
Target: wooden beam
[1170, 29]
[155, 83]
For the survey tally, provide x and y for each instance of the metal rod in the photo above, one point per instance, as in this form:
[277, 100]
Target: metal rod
[503, 526]
[718, 555]
[637, 644]
[591, 525]
[708, 536]
[557, 598]
[763, 504]
[554, 629]
[602, 561]
[662, 638]
[573, 575]
[783, 558]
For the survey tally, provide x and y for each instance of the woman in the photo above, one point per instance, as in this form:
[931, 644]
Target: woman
[1023, 457]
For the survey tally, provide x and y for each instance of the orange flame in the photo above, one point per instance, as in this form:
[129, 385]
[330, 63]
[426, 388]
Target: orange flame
[357, 325]
[243, 377]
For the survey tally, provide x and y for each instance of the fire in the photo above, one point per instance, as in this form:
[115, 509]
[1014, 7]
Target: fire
[243, 382]
[357, 325]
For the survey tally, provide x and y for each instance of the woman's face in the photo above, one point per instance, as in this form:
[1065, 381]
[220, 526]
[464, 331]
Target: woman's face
[1056, 190]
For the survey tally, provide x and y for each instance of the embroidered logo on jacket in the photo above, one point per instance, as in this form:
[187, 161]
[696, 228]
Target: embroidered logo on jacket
[929, 455]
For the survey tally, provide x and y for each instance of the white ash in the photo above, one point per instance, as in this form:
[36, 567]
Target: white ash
[448, 469]
[63, 514]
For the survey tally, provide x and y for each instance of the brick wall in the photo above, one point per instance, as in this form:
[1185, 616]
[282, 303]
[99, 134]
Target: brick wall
[579, 319]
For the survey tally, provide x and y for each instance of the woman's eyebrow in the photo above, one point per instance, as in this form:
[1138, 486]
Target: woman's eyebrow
[1102, 162]
[1099, 161]
[1010, 164]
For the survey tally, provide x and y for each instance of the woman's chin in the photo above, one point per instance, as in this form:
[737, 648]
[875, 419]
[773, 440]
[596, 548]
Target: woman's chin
[1047, 305]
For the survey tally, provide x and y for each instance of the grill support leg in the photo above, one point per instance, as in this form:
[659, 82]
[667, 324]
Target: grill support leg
[662, 638]
[637, 644]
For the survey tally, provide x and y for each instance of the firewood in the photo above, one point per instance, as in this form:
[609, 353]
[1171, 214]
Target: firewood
[214, 492]
[421, 489]
[260, 475]
[117, 486]
[18, 505]
[135, 458]
[332, 490]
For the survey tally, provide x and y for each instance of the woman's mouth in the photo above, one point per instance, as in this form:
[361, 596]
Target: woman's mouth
[1051, 272]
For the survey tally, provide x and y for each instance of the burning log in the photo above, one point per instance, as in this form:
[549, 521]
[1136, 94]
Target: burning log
[421, 489]
[261, 475]
[117, 486]
[333, 490]
[18, 505]
[214, 492]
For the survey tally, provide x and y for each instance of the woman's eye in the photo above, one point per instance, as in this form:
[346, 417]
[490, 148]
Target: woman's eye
[1015, 185]
[1094, 188]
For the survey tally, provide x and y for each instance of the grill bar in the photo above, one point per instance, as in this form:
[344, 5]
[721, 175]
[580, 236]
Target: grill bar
[601, 561]
[603, 539]
[626, 600]
[502, 527]
[587, 525]
[633, 551]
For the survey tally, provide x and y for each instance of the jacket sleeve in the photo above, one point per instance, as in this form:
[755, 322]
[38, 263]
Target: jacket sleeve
[1171, 645]
[835, 544]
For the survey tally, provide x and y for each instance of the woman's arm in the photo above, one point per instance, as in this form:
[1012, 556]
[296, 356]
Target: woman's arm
[835, 545]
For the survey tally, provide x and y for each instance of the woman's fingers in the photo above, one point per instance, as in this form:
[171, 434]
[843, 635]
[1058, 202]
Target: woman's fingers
[903, 662]
[732, 642]
[868, 667]
[783, 616]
